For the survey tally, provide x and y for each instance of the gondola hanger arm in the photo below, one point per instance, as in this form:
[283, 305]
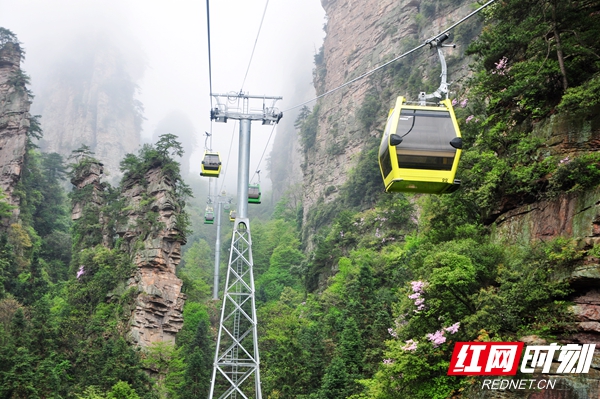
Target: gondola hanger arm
[441, 91]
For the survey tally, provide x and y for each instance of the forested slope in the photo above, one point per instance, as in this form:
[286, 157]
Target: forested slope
[84, 308]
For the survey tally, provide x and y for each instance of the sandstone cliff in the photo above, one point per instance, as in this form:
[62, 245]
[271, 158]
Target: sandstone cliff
[147, 228]
[155, 246]
[572, 215]
[14, 118]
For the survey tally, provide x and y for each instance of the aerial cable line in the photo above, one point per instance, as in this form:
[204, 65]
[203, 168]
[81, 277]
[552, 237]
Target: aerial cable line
[263, 154]
[254, 48]
[364, 75]
[209, 65]
[228, 156]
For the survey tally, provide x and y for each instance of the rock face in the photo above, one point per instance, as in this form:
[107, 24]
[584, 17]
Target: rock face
[151, 235]
[575, 216]
[147, 226]
[89, 175]
[362, 35]
[92, 104]
[14, 119]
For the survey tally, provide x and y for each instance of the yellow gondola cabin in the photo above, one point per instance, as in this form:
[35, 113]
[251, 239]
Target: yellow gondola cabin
[420, 148]
[211, 164]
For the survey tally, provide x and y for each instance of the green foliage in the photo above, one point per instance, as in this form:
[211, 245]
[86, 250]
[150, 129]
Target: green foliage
[530, 81]
[581, 100]
[19, 79]
[91, 392]
[197, 351]
[5, 207]
[7, 36]
[101, 269]
[308, 122]
[34, 131]
[320, 70]
[159, 156]
[166, 362]
[369, 110]
[361, 191]
[535, 57]
[197, 271]
[577, 174]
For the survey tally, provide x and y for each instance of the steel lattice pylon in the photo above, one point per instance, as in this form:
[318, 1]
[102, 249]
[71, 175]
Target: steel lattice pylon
[236, 355]
[237, 359]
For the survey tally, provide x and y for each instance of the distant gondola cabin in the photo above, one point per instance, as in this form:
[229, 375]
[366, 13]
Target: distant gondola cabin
[254, 194]
[209, 216]
[420, 148]
[211, 164]
[232, 216]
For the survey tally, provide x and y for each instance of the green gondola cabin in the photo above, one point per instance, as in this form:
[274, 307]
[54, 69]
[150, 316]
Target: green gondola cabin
[254, 194]
[209, 215]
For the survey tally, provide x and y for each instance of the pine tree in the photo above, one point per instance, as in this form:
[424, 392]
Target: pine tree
[198, 364]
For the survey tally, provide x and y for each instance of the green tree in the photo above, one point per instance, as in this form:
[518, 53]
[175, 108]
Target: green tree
[122, 390]
[198, 362]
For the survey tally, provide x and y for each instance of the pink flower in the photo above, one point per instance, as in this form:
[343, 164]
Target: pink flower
[388, 361]
[463, 103]
[565, 160]
[392, 333]
[415, 295]
[469, 118]
[417, 286]
[453, 328]
[410, 345]
[419, 301]
[454, 102]
[437, 338]
[501, 66]
[80, 272]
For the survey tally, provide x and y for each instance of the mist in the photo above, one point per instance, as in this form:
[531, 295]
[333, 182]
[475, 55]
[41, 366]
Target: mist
[165, 54]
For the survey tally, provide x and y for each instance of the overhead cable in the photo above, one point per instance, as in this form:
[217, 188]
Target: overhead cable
[254, 48]
[209, 65]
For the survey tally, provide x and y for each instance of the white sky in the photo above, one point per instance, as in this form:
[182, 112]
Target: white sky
[172, 37]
